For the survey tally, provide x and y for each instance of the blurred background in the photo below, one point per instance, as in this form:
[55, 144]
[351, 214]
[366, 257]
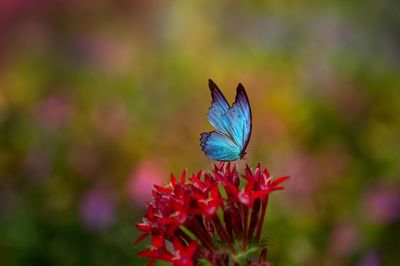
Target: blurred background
[101, 99]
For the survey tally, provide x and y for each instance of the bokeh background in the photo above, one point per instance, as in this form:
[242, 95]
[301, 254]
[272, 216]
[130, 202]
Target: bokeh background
[101, 99]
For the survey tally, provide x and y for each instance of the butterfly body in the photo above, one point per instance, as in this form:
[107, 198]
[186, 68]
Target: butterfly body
[232, 123]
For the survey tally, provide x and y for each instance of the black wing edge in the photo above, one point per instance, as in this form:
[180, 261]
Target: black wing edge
[240, 91]
[203, 139]
[215, 92]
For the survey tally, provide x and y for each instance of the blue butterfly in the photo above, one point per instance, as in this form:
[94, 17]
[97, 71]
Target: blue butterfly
[232, 123]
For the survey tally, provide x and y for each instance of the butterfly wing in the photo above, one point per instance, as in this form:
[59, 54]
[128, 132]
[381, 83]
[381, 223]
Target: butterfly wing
[233, 125]
[218, 146]
[240, 119]
[218, 108]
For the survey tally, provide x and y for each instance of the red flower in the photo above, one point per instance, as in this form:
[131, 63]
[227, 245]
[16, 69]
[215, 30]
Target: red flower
[209, 205]
[157, 251]
[183, 254]
[184, 223]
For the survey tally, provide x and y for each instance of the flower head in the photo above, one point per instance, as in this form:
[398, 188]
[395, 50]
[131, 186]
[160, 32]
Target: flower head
[215, 217]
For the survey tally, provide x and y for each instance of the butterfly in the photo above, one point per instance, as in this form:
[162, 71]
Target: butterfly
[232, 123]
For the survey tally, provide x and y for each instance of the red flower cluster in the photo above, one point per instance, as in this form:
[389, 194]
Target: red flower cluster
[213, 218]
